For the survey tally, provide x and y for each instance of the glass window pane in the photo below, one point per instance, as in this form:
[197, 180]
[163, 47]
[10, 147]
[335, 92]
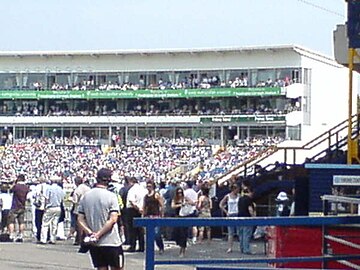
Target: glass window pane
[8, 81]
[167, 132]
[34, 81]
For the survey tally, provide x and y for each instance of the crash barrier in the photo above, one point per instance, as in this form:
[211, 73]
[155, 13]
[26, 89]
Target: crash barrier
[322, 221]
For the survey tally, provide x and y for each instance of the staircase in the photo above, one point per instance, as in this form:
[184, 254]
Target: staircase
[326, 145]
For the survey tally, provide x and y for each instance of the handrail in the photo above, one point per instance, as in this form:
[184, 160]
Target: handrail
[151, 223]
[307, 146]
[342, 199]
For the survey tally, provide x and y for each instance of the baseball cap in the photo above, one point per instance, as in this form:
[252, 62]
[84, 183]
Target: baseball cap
[104, 174]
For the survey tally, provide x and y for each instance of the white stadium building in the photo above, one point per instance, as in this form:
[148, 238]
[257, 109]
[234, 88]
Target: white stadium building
[217, 93]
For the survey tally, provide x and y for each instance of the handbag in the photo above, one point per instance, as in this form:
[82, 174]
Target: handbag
[186, 210]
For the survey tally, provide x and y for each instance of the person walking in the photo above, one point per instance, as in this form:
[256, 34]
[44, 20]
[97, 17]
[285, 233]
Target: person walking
[17, 211]
[98, 213]
[154, 208]
[54, 197]
[229, 205]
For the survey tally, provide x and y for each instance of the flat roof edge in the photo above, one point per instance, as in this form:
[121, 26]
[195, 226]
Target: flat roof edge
[147, 51]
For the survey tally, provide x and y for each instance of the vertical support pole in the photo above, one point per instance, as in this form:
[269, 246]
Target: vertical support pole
[110, 135]
[294, 156]
[324, 231]
[150, 250]
[14, 134]
[351, 67]
[126, 135]
[222, 136]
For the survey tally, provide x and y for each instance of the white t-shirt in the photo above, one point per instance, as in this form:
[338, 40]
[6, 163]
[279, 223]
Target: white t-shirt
[136, 196]
[232, 204]
[6, 200]
[191, 195]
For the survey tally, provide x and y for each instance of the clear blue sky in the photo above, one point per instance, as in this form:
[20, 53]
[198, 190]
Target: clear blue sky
[148, 24]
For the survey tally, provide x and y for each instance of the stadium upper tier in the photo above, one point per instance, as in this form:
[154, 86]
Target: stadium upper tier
[302, 86]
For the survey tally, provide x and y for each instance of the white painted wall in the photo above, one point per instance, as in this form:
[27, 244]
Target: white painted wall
[329, 96]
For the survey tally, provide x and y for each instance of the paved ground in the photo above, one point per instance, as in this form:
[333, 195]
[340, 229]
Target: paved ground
[63, 255]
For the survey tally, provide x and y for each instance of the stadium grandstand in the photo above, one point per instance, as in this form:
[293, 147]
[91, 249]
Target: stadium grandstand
[164, 113]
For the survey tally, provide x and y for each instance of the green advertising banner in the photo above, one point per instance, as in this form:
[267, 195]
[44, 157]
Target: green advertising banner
[138, 94]
[234, 119]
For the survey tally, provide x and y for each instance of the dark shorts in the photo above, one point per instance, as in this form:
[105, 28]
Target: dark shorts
[107, 256]
[4, 220]
[73, 220]
[16, 214]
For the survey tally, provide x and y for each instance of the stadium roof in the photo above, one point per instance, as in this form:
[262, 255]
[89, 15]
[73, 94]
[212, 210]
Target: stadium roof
[173, 51]
[161, 51]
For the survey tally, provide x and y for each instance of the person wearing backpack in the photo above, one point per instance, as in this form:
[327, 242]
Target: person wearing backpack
[39, 203]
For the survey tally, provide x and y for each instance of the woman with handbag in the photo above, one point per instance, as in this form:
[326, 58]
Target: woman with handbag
[182, 206]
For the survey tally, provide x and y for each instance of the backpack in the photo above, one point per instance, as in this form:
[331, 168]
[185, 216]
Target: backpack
[39, 198]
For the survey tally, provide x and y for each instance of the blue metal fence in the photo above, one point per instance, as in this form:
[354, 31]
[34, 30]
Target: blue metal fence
[150, 225]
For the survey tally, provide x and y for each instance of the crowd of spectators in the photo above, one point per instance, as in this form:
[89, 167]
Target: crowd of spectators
[139, 109]
[146, 159]
[191, 82]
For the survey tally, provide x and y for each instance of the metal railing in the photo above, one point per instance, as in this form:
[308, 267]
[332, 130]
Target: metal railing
[335, 243]
[150, 225]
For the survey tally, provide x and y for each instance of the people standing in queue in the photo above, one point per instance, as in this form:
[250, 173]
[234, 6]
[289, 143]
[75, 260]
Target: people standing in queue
[283, 205]
[192, 196]
[246, 209]
[154, 208]
[180, 233]
[204, 206]
[134, 204]
[6, 198]
[98, 213]
[17, 211]
[229, 205]
[39, 203]
[124, 216]
[78, 194]
[54, 197]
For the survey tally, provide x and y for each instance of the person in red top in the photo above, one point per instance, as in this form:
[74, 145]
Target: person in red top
[17, 211]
